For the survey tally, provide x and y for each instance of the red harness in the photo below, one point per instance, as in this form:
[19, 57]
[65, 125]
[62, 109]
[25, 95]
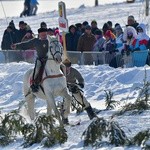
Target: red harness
[50, 76]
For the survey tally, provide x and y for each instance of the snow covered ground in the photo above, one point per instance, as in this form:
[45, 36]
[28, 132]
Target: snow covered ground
[122, 82]
[46, 5]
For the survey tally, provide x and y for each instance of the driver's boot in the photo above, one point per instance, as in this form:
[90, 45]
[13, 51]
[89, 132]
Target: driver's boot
[90, 112]
[34, 87]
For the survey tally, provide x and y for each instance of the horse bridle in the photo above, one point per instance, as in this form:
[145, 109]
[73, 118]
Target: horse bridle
[56, 43]
[53, 54]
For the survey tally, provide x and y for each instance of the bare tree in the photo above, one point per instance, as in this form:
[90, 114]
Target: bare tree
[96, 3]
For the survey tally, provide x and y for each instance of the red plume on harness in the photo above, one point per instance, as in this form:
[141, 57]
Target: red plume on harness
[31, 81]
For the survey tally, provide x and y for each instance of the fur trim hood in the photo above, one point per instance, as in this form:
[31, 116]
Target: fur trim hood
[127, 30]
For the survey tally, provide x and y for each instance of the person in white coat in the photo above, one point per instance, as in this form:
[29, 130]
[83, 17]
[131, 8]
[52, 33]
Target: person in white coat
[142, 36]
[119, 38]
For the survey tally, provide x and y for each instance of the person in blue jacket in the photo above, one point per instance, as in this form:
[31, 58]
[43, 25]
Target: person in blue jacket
[33, 7]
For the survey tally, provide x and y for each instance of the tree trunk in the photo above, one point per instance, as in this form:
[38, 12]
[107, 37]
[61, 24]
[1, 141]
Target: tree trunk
[96, 3]
[147, 8]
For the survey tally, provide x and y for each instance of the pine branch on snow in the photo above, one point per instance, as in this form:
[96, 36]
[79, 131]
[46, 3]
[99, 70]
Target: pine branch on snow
[102, 132]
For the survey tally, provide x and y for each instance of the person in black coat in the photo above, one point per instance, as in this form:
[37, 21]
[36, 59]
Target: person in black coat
[22, 31]
[26, 10]
[8, 39]
[105, 28]
[94, 26]
[132, 22]
[72, 38]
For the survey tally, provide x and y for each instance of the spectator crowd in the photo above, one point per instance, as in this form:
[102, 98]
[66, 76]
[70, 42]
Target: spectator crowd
[118, 42]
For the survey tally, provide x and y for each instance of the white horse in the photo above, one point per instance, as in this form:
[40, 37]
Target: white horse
[53, 83]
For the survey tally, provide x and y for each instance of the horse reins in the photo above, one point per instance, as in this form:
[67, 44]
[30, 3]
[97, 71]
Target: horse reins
[58, 75]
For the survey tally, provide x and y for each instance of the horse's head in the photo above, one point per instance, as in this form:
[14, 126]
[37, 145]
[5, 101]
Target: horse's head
[55, 49]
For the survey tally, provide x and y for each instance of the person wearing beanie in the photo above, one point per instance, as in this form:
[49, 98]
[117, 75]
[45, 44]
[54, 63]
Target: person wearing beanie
[94, 26]
[110, 24]
[109, 46]
[98, 46]
[8, 38]
[86, 43]
[132, 22]
[72, 38]
[14, 30]
[43, 25]
[116, 24]
[105, 27]
[67, 62]
[78, 25]
[75, 84]
[88, 27]
[40, 44]
[109, 35]
[118, 28]
[22, 31]
[84, 24]
[79, 28]
[11, 23]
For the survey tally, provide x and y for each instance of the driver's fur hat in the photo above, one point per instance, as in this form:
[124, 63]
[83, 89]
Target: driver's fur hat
[67, 62]
[42, 30]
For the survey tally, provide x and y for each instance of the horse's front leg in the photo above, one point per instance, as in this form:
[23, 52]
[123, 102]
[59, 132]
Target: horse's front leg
[49, 109]
[51, 104]
[30, 99]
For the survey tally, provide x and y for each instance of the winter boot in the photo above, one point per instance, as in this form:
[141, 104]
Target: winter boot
[34, 87]
[65, 121]
[90, 112]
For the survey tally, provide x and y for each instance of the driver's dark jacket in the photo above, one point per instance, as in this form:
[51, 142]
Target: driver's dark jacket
[41, 46]
[74, 76]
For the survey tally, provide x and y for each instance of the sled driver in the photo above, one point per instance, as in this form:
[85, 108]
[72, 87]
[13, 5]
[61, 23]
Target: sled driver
[75, 83]
[40, 44]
